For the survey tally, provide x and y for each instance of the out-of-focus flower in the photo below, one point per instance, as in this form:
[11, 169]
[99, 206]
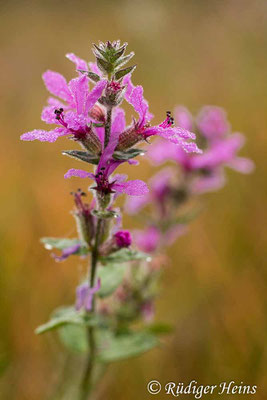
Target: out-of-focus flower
[85, 295]
[221, 148]
[69, 251]
[152, 238]
[148, 239]
[160, 186]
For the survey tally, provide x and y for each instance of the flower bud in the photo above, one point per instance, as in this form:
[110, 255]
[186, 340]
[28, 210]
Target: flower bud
[128, 138]
[91, 143]
[110, 58]
[97, 113]
[84, 219]
[119, 240]
[123, 239]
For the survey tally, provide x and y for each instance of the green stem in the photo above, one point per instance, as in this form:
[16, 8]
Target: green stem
[108, 126]
[86, 384]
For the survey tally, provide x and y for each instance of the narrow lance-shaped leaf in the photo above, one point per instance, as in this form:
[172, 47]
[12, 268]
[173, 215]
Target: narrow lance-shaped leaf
[123, 60]
[82, 156]
[58, 243]
[104, 65]
[64, 243]
[99, 52]
[63, 316]
[128, 154]
[121, 73]
[91, 75]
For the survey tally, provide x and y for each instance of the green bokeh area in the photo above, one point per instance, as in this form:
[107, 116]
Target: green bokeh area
[214, 289]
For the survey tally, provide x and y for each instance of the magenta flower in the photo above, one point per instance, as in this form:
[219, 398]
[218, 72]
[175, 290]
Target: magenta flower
[142, 128]
[212, 123]
[106, 166]
[85, 295]
[148, 240]
[206, 170]
[123, 238]
[152, 238]
[160, 187]
[77, 97]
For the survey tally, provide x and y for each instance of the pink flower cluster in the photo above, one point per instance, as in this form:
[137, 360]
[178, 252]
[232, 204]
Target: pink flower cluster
[196, 173]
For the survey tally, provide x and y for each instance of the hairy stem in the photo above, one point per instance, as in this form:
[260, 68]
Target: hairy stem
[108, 126]
[86, 384]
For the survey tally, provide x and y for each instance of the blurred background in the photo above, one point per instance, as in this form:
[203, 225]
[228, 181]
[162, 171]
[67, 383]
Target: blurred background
[191, 52]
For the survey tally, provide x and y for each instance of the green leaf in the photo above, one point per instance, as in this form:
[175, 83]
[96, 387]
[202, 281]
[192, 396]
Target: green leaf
[120, 52]
[128, 154]
[131, 344]
[104, 214]
[121, 73]
[63, 316]
[58, 243]
[82, 156]
[100, 52]
[91, 75]
[104, 66]
[63, 243]
[124, 255]
[74, 337]
[111, 276]
[123, 60]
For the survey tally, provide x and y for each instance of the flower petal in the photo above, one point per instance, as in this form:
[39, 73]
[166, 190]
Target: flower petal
[81, 293]
[135, 204]
[79, 90]
[118, 120]
[136, 99]
[241, 164]
[223, 151]
[190, 147]
[75, 121]
[174, 135]
[79, 173]
[212, 122]
[56, 103]
[132, 188]
[57, 85]
[183, 118]
[44, 136]
[79, 62]
[147, 240]
[210, 183]
[134, 96]
[94, 68]
[48, 115]
[95, 94]
[67, 252]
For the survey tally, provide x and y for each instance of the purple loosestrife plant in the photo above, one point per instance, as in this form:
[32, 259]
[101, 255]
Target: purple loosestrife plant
[119, 287]
[173, 189]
